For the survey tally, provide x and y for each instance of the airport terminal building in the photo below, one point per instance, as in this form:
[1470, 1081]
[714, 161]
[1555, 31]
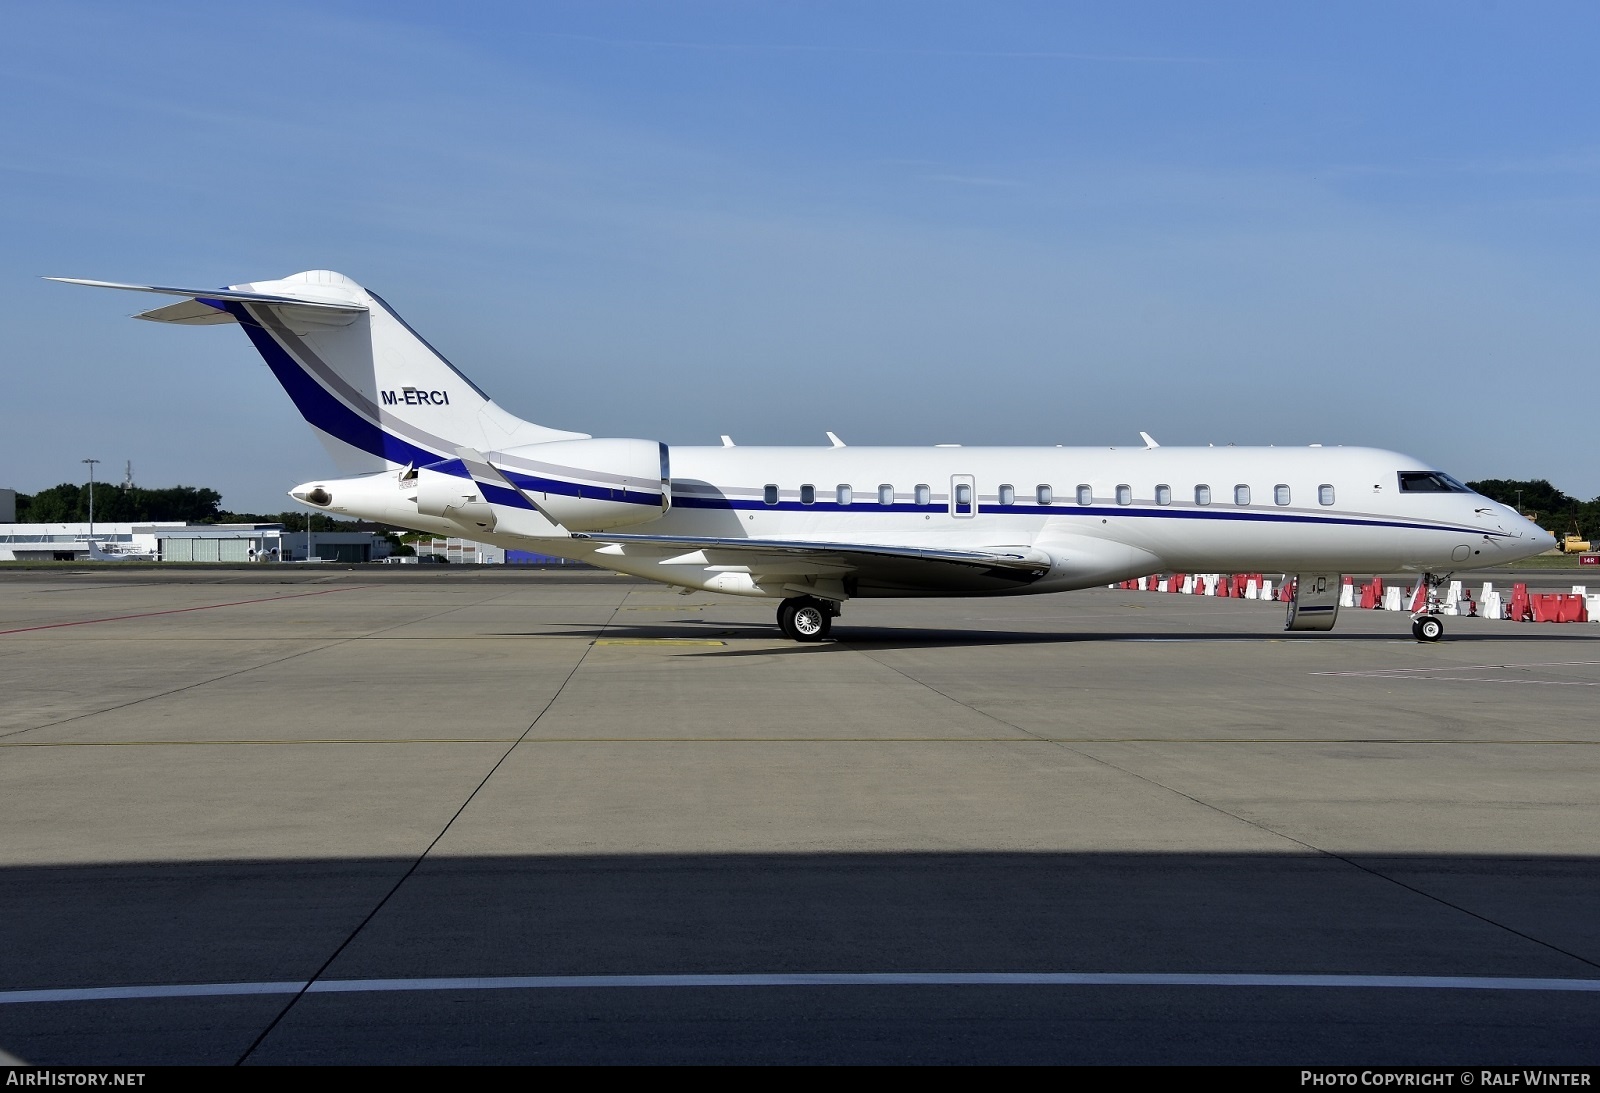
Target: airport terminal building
[180, 542]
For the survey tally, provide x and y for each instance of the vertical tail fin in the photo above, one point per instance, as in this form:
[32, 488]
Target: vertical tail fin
[376, 393]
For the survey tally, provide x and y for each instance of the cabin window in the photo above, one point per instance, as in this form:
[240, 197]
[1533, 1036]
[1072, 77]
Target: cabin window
[1325, 494]
[808, 494]
[924, 494]
[1280, 494]
[1163, 494]
[1124, 494]
[1008, 494]
[1044, 494]
[1085, 494]
[842, 494]
[886, 494]
[1241, 494]
[770, 494]
[1202, 495]
[964, 496]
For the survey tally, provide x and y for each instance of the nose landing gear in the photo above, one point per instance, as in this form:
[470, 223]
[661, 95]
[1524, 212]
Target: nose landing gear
[1426, 625]
[805, 618]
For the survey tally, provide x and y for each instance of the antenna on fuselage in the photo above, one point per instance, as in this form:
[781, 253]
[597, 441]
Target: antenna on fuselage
[1149, 441]
[727, 441]
[835, 441]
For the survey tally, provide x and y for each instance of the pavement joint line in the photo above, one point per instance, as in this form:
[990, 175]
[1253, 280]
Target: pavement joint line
[1372, 871]
[299, 988]
[340, 948]
[1478, 679]
[1464, 668]
[657, 641]
[296, 741]
[175, 690]
[242, 671]
[1258, 825]
[252, 668]
[183, 610]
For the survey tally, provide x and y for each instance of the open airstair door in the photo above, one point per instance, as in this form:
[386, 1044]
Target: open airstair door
[1315, 605]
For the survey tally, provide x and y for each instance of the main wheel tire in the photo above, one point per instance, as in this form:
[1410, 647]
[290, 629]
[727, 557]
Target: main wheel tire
[1430, 629]
[802, 618]
[1416, 629]
[810, 621]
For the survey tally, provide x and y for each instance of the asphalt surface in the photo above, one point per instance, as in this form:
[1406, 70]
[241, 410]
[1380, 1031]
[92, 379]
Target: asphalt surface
[401, 787]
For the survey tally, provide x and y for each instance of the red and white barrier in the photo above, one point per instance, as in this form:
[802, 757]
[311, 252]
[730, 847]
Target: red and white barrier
[1519, 606]
[1486, 608]
[1372, 594]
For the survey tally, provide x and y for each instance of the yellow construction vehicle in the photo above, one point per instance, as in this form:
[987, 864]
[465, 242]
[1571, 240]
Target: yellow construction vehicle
[1573, 543]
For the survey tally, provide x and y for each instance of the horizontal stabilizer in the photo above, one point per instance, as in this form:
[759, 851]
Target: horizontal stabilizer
[228, 294]
[188, 313]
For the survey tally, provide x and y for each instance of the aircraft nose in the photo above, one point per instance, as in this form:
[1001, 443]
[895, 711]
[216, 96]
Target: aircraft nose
[1538, 536]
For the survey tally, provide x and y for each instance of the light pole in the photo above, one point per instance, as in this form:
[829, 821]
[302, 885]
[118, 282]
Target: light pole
[91, 463]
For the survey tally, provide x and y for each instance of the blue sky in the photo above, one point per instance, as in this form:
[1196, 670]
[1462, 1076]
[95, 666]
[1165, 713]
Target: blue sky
[905, 222]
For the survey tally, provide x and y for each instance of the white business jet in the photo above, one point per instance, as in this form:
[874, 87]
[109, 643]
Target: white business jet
[420, 446]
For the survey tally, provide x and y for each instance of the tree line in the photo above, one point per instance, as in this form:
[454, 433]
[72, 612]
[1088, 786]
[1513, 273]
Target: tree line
[1551, 509]
[119, 504]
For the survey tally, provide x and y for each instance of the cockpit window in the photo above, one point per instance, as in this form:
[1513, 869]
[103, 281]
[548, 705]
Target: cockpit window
[1429, 482]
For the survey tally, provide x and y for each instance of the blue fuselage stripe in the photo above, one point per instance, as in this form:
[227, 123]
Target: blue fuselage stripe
[1080, 511]
[585, 490]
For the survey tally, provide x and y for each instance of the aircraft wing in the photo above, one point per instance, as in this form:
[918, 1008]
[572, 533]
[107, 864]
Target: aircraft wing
[885, 567]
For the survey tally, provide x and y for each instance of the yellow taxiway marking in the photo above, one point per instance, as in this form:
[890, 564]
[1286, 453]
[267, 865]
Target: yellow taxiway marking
[667, 607]
[656, 641]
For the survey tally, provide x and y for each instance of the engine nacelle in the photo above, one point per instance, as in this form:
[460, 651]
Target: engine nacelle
[588, 485]
[1083, 561]
[452, 497]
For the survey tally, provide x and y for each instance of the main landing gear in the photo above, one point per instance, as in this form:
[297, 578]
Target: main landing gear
[1426, 625]
[805, 618]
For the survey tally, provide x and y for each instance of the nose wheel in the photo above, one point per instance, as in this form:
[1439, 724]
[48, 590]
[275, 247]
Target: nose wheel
[1426, 625]
[1428, 628]
[802, 618]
